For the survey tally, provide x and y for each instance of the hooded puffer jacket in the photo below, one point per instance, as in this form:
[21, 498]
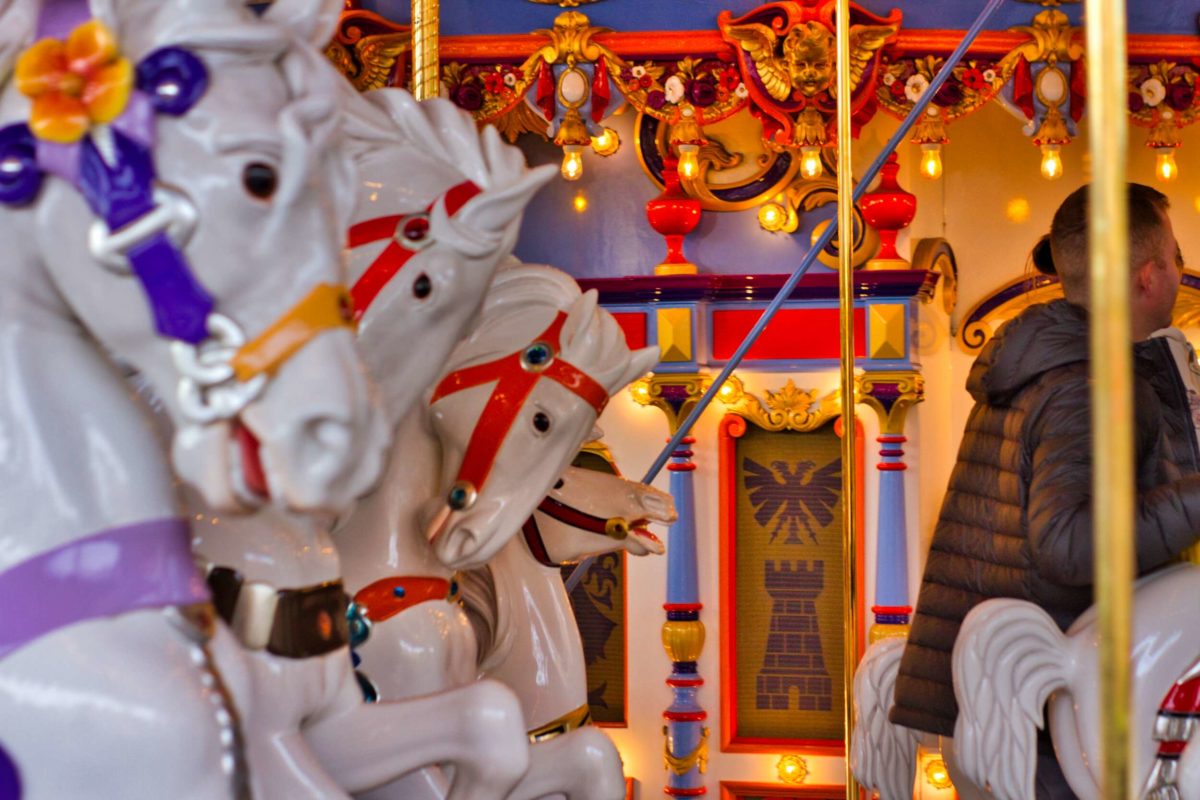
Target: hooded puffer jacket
[1017, 519]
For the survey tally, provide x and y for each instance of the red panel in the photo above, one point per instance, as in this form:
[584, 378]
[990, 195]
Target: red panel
[634, 325]
[793, 335]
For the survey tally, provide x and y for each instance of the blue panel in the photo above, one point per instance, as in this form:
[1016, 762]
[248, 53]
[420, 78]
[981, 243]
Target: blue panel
[467, 17]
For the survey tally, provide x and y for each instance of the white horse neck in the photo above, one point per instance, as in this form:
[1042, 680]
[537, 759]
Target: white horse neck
[542, 656]
[272, 546]
[78, 454]
[383, 535]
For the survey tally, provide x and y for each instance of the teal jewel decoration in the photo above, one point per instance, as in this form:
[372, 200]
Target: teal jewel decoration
[462, 496]
[537, 356]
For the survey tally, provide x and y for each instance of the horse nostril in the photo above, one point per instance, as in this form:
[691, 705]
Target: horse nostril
[331, 434]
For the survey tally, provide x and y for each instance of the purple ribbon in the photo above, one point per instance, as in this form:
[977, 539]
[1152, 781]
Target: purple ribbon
[59, 17]
[144, 565]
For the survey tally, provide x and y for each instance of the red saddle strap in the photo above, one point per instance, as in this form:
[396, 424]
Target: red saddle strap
[409, 235]
[515, 378]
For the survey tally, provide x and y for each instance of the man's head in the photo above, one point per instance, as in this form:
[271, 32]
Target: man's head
[1154, 258]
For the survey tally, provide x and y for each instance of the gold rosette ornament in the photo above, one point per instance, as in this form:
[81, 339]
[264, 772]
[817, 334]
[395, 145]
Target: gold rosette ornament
[74, 84]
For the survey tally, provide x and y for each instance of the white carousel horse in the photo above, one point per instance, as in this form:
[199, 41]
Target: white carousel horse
[1011, 658]
[224, 145]
[440, 236]
[882, 755]
[528, 638]
[519, 396]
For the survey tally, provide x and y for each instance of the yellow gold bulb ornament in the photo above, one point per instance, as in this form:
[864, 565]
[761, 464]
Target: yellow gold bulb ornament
[689, 160]
[1165, 168]
[1052, 166]
[607, 143]
[931, 160]
[572, 163]
[810, 162]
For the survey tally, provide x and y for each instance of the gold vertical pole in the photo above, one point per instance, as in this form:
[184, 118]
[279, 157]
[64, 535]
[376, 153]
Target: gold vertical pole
[426, 78]
[845, 240]
[1112, 394]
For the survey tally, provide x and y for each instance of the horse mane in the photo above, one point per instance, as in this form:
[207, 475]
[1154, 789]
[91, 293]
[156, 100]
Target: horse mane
[481, 604]
[526, 298]
[883, 755]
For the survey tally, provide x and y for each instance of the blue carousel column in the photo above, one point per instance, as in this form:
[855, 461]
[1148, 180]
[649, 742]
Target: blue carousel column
[685, 750]
[891, 394]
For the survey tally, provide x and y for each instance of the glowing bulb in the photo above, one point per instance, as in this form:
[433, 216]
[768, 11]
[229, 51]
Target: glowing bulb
[1052, 167]
[689, 160]
[771, 217]
[931, 160]
[792, 769]
[572, 165]
[580, 203]
[606, 143]
[1166, 169]
[810, 162]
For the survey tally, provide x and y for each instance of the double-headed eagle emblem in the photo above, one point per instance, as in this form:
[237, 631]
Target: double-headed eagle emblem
[787, 497]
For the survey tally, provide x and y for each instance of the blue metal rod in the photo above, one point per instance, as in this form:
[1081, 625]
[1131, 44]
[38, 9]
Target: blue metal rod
[785, 291]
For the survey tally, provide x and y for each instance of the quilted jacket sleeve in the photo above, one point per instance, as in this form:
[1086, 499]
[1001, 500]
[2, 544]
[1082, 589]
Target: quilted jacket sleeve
[1060, 489]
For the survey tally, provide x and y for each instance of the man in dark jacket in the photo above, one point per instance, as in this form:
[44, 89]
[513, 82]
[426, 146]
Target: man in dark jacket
[1017, 517]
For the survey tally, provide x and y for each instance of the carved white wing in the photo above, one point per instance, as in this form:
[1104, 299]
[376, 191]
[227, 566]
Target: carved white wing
[883, 755]
[1008, 659]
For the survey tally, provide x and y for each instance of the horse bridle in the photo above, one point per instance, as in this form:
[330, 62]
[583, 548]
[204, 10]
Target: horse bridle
[515, 376]
[112, 167]
[407, 235]
[616, 528]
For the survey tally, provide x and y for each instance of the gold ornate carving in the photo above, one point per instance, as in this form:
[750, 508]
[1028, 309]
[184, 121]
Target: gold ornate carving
[936, 255]
[1051, 39]
[690, 387]
[366, 47]
[788, 409]
[564, 3]
[683, 639]
[570, 41]
[805, 60]
[891, 394]
[682, 765]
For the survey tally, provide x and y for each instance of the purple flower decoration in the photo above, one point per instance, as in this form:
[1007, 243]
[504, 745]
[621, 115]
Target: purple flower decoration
[702, 93]
[951, 94]
[1181, 96]
[1136, 103]
[627, 74]
[467, 96]
[656, 99]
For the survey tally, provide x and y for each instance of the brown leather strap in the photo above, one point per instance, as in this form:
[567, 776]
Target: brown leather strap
[308, 621]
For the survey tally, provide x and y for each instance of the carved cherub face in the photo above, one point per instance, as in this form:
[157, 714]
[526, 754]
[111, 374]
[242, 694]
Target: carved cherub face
[808, 51]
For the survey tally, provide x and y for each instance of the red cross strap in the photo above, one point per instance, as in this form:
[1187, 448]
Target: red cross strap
[404, 243]
[514, 383]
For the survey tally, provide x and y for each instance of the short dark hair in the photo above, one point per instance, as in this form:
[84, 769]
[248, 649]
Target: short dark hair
[1068, 239]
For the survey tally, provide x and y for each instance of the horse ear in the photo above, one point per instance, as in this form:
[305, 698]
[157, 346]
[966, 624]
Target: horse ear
[597, 434]
[579, 332]
[640, 362]
[311, 20]
[495, 210]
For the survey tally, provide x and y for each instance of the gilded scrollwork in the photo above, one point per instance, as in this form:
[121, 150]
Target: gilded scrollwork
[367, 49]
[891, 395]
[787, 409]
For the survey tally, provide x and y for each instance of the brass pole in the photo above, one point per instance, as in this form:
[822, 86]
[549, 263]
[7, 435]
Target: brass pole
[846, 303]
[426, 81]
[1112, 394]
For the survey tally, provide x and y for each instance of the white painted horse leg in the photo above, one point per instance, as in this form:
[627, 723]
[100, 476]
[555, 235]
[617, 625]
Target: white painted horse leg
[127, 705]
[883, 755]
[595, 771]
[478, 728]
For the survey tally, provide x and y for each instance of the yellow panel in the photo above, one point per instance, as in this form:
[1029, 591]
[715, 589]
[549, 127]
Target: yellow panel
[675, 334]
[886, 332]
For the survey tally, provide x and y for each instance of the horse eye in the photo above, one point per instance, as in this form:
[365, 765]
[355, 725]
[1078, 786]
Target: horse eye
[541, 422]
[559, 485]
[260, 180]
[422, 287]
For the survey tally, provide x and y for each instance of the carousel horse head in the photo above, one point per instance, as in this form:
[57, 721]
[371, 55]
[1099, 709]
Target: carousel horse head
[182, 165]
[1011, 658]
[439, 208]
[520, 395]
[593, 510]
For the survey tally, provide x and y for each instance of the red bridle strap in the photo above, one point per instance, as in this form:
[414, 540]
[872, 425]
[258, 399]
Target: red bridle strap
[406, 241]
[515, 381]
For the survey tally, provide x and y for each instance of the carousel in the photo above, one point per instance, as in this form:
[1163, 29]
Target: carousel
[436, 378]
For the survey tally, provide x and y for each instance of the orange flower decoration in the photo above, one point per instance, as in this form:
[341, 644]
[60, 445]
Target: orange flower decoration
[76, 84]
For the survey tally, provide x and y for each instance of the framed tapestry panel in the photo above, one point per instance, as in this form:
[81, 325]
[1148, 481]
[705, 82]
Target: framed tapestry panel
[733, 790]
[598, 602]
[782, 629]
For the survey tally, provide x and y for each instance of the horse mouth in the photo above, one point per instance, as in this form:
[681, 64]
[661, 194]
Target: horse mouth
[249, 475]
[638, 528]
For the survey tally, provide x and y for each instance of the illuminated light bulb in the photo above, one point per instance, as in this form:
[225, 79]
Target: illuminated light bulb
[810, 162]
[1017, 210]
[606, 143]
[772, 216]
[1052, 168]
[580, 203]
[792, 769]
[1165, 167]
[931, 160]
[689, 160]
[572, 165]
